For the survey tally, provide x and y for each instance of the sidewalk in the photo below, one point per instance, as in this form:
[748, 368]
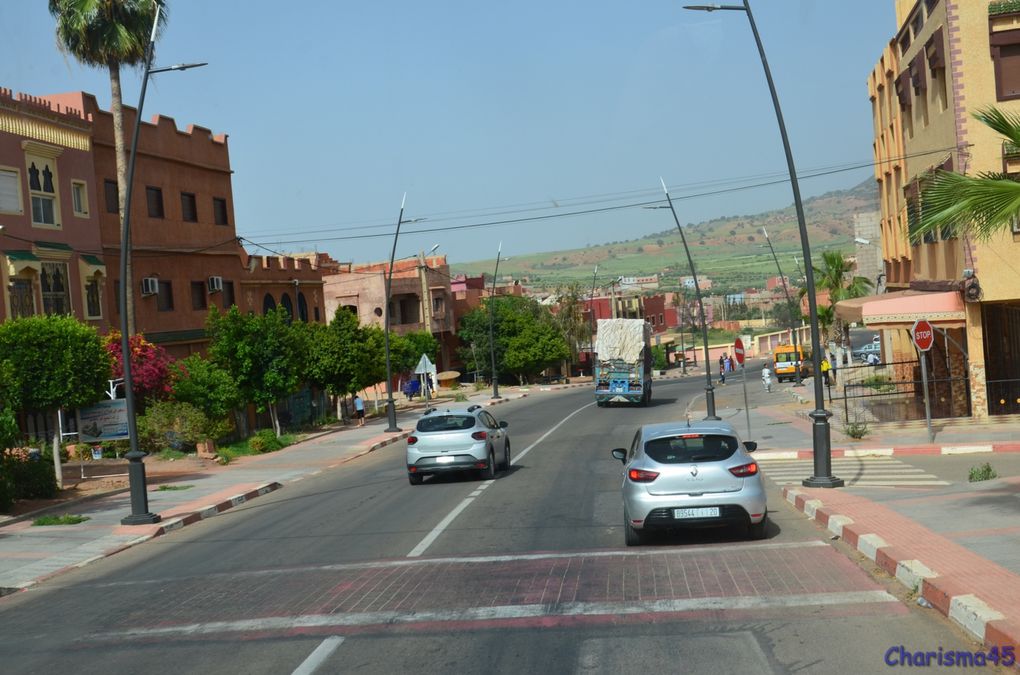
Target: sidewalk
[955, 546]
[30, 554]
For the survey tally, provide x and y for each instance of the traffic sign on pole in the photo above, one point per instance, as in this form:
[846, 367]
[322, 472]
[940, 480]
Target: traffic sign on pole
[738, 350]
[922, 334]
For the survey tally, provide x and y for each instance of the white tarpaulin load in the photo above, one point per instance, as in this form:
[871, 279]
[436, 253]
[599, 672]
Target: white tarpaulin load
[622, 339]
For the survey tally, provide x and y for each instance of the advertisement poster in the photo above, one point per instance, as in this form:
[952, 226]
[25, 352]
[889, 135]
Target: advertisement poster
[104, 421]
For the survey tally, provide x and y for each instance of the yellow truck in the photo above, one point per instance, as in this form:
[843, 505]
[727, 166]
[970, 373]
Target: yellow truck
[786, 360]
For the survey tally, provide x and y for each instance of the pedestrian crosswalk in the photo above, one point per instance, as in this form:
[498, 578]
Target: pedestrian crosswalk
[855, 471]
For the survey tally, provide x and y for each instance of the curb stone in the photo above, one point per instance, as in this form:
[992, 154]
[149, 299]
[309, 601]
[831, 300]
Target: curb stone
[968, 611]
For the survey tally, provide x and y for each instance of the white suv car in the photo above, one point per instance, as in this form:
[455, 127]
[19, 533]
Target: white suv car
[457, 439]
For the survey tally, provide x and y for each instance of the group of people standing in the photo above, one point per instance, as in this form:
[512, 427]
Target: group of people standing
[725, 366]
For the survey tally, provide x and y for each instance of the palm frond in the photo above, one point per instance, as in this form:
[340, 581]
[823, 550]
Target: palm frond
[979, 206]
[1004, 123]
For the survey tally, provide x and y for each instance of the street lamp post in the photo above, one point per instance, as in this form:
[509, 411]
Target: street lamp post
[391, 406]
[683, 316]
[140, 514]
[709, 389]
[591, 321]
[821, 436]
[492, 340]
[790, 308]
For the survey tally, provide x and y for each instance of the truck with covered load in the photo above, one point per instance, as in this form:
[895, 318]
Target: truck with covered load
[623, 362]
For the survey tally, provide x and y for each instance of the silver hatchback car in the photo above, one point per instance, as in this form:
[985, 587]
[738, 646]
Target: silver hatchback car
[457, 438]
[680, 475]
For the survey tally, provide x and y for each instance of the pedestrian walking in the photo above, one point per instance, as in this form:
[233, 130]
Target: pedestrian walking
[722, 369]
[729, 363]
[766, 378]
[826, 369]
[359, 410]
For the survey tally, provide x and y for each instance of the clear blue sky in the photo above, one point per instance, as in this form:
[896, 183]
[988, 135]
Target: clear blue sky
[335, 109]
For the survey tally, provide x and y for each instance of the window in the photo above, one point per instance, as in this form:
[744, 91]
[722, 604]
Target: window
[154, 199]
[93, 304]
[189, 208]
[688, 448]
[917, 23]
[10, 191]
[446, 423]
[268, 304]
[41, 181]
[286, 303]
[79, 198]
[228, 295]
[55, 296]
[316, 313]
[220, 211]
[662, 319]
[302, 307]
[165, 297]
[438, 307]
[112, 196]
[198, 295]
[22, 297]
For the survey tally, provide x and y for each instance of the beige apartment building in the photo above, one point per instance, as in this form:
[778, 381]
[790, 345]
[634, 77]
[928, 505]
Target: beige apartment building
[947, 60]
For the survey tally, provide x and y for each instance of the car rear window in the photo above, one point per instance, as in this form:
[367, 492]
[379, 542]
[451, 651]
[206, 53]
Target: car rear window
[685, 448]
[446, 423]
[785, 357]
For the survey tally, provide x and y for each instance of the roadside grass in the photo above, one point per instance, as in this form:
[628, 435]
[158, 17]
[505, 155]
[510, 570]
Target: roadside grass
[170, 455]
[66, 519]
[171, 488]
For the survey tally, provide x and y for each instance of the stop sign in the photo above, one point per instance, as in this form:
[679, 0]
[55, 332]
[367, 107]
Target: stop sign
[923, 335]
[738, 351]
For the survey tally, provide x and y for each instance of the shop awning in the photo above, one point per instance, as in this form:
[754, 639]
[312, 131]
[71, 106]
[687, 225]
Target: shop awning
[900, 309]
[17, 261]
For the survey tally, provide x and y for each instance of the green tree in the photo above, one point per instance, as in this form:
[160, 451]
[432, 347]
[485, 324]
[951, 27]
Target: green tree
[109, 34]
[406, 350]
[10, 391]
[57, 363]
[207, 386]
[526, 339]
[263, 354]
[982, 205]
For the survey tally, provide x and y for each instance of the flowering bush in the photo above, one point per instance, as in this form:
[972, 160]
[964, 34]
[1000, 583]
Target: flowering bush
[24, 478]
[150, 365]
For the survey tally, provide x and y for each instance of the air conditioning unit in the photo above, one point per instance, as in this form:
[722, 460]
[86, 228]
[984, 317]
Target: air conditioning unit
[215, 284]
[150, 286]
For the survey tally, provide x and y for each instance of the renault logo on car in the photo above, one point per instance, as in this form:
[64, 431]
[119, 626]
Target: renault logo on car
[694, 470]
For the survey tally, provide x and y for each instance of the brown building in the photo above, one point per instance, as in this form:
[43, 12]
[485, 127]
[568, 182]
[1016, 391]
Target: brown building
[420, 297]
[51, 258]
[186, 256]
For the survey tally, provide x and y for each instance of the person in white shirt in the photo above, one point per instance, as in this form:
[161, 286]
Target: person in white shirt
[766, 378]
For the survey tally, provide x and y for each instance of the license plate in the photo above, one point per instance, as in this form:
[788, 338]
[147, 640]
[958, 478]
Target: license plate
[444, 459]
[619, 388]
[704, 512]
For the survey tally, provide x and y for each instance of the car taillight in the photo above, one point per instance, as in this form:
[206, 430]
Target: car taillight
[411, 440]
[745, 470]
[479, 435]
[642, 476]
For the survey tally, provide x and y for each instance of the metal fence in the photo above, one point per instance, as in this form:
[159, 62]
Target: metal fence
[1003, 397]
[891, 392]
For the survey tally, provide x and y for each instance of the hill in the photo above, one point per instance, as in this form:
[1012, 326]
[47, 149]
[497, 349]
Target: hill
[730, 250]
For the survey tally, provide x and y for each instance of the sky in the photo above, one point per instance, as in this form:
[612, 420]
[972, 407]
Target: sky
[558, 116]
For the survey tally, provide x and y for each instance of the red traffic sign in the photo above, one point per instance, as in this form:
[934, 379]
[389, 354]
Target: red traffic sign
[923, 335]
[738, 351]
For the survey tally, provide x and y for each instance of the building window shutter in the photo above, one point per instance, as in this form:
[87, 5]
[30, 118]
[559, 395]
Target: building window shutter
[10, 201]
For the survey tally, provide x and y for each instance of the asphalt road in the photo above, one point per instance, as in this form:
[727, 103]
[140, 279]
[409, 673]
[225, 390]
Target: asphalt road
[357, 571]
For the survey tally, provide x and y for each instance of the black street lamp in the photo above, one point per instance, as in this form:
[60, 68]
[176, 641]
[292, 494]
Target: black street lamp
[140, 514]
[591, 321]
[683, 315]
[391, 406]
[790, 309]
[709, 389]
[492, 309]
[821, 436]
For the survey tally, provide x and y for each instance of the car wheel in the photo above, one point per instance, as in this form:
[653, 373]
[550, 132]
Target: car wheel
[757, 530]
[631, 536]
[506, 457]
[489, 472]
[415, 478]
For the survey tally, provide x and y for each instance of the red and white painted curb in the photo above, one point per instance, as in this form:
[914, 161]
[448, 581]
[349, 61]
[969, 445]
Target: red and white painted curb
[968, 611]
[895, 450]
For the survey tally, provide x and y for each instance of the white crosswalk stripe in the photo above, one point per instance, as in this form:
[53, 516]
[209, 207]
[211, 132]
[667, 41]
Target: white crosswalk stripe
[856, 471]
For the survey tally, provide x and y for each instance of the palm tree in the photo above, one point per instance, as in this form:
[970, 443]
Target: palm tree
[837, 277]
[981, 205]
[109, 34]
[570, 320]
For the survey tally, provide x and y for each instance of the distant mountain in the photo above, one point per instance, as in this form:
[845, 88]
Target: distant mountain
[729, 250]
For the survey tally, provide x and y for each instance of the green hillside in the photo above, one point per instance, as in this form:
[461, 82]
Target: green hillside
[729, 250]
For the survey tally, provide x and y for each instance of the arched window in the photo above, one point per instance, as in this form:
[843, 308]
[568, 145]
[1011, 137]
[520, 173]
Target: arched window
[302, 307]
[286, 303]
[268, 304]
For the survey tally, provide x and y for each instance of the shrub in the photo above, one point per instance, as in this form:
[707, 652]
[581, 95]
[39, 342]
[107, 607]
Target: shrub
[856, 429]
[265, 441]
[66, 519]
[480, 385]
[27, 478]
[6, 490]
[982, 472]
[460, 397]
[171, 425]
